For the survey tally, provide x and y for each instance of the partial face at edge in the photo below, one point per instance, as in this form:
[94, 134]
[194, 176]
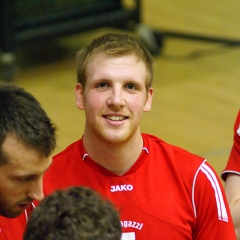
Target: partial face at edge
[21, 177]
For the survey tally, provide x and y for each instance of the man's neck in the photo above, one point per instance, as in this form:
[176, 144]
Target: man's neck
[117, 158]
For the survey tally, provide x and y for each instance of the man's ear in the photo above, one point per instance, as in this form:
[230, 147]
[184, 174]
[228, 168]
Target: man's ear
[148, 103]
[79, 96]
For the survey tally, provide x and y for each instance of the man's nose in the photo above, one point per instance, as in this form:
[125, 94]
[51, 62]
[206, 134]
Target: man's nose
[35, 190]
[116, 98]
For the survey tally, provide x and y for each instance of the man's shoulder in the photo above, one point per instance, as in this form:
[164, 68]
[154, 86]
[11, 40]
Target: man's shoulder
[72, 149]
[65, 162]
[155, 144]
[12, 228]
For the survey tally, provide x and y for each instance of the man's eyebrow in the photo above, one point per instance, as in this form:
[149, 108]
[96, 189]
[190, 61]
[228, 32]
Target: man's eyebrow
[32, 174]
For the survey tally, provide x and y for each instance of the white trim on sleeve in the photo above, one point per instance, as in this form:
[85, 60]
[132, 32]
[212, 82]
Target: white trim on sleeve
[220, 204]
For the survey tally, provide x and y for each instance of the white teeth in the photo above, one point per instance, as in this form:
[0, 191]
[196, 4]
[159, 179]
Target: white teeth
[115, 118]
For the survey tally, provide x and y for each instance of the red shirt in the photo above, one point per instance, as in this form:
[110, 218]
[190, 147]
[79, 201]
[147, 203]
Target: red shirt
[233, 164]
[168, 193]
[13, 228]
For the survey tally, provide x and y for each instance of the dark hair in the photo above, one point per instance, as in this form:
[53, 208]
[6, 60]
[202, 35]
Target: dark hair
[22, 116]
[76, 213]
[116, 44]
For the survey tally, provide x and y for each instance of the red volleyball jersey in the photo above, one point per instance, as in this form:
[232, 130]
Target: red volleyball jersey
[233, 164]
[13, 228]
[168, 193]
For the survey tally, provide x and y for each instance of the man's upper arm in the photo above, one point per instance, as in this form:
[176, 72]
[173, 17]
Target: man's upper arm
[232, 188]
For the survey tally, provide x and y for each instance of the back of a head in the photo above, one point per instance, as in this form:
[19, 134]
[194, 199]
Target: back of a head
[115, 44]
[76, 213]
[22, 116]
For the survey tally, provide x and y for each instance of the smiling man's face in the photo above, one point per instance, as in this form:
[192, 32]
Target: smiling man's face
[114, 97]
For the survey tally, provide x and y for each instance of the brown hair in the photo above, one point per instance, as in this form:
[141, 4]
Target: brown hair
[22, 116]
[76, 213]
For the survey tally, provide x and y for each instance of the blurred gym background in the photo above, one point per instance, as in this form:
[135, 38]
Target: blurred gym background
[195, 45]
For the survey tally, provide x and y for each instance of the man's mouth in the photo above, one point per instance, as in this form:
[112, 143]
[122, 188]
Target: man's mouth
[115, 118]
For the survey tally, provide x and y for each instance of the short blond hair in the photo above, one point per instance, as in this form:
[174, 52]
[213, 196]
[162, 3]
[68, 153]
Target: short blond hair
[115, 44]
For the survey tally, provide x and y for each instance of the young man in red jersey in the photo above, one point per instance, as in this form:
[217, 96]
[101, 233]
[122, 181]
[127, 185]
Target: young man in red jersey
[27, 140]
[231, 175]
[161, 191]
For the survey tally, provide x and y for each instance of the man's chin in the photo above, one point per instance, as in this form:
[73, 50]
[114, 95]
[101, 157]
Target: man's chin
[13, 214]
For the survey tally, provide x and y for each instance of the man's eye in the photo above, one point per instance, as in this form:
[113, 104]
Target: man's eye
[24, 179]
[102, 85]
[131, 86]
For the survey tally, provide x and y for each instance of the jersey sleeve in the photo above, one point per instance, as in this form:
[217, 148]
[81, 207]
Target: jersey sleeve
[213, 218]
[233, 164]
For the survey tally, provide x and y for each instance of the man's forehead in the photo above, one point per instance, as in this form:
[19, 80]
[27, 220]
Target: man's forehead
[15, 152]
